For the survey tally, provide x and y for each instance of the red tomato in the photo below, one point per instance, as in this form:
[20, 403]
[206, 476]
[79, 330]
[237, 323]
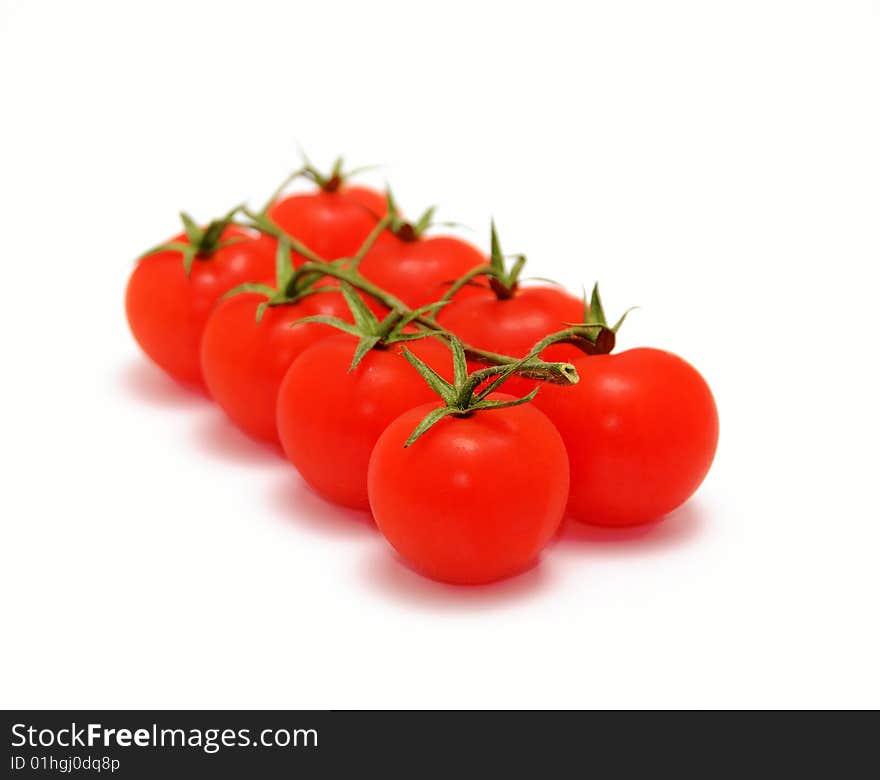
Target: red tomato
[167, 310]
[332, 224]
[419, 271]
[244, 361]
[329, 418]
[474, 499]
[512, 326]
[641, 430]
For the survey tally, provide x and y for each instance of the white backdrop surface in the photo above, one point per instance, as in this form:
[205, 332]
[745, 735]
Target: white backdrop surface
[715, 163]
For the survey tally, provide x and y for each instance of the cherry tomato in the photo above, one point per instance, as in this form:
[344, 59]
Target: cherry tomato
[167, 309]
[420, 271]
[512, 326]
[641, 430]
[244, 361]
[332, 224]
[329, 418]
[474, 499]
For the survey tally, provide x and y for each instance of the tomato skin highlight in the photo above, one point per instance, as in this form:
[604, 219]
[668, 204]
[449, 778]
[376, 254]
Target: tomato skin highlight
[244, 361]
[641, 430]
[476, 498]
[512, 326]
[331, 224]
[329, 418]
[167, 310]
[420, 271]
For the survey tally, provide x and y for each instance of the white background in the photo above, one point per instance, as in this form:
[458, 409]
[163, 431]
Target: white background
[715, 163]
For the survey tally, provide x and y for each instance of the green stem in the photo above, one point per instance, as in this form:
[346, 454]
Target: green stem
[279, 190]
[265, 225]
[369, 241]
[466, 279]
[534, 368]
[355, 280]
[590, 338]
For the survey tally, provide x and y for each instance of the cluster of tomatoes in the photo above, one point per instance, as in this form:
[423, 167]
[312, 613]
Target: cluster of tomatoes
[415, 377]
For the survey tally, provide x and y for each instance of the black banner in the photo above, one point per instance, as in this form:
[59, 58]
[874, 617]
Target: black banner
[268, 744]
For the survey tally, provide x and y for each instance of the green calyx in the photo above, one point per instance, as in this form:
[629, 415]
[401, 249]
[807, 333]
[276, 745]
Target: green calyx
[467, 393]
[371, 332]
[331, 182]
[503, 281]
[260, 220]
[289, 288]
[594, 335]
[335, 179]
[403, 228]
[201, 243]
[594, 312]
